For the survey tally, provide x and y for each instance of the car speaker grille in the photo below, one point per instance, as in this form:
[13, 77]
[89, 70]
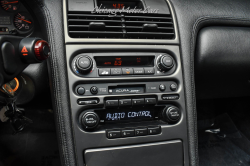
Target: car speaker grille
[127, 26]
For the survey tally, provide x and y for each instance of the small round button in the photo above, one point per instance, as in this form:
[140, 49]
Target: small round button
[172, 114]
[94, 90]
[167, 61]
[84, 62]
[162, 87]
[90, 120]
[173, 87]
[81, 90]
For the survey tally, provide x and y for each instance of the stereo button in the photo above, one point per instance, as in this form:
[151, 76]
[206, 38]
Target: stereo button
[138, 71]
[150, 100]
[128, 133]
[80, 90]
[127, 71]
[111, 103]
[140, 132]
[154, 130]
[173, 87]
[94, 90]
[113, 134]
[138, 101]
[170, 97]
[125, 102]
[162, 87]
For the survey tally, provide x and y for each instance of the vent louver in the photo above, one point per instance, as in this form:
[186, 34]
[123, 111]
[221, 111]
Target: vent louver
[122, 26]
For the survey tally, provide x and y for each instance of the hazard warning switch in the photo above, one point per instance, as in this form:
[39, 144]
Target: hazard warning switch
[33, 50]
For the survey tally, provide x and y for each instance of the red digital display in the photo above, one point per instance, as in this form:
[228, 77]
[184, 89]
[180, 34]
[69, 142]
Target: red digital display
[125, 61]
[118, 5]
[113, 4]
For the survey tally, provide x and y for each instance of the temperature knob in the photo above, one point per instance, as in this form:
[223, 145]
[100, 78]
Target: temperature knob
[84, 64]
[165, 63]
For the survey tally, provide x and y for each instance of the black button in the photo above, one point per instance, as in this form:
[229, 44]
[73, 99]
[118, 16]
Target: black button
[154, 130]
[87, 102]
[94, 90]
[80, 90]
[173, 87]
[128, 133]
[139, 132]
[113, 134]
[104, 72]
[125, 102]
[162, 87]
[149, 70]
[170, 97]
[150, 100]
[138, 101]
[138, 71]
[90, 120]
[116, 71]
[84, 62]
[174, 113]
[127, 71]
[112, 103]
[167, 61]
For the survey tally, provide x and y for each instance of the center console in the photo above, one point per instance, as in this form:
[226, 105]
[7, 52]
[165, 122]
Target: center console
[126, 92]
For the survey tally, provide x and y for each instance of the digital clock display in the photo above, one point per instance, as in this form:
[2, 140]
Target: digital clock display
[128, 115]
[103, 4]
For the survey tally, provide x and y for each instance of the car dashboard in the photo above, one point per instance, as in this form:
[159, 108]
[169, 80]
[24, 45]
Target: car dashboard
[125, 81]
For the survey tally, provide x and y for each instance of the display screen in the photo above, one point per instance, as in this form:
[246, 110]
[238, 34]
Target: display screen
[146, 61]
[120, 4]
[128, 115]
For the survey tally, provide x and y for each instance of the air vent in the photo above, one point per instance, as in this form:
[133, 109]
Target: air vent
[122, 26]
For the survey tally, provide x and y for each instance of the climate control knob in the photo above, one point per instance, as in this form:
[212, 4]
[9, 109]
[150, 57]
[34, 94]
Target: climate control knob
[90, 120]
[165, 62]
[84, 64]
[171, 114]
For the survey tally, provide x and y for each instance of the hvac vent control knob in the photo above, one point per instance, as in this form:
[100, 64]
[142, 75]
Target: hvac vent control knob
[165, 63]
[84, 64]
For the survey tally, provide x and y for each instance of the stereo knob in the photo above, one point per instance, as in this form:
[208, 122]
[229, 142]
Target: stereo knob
[90, 120]
[171, 114]
[84, 64]
[165, 63]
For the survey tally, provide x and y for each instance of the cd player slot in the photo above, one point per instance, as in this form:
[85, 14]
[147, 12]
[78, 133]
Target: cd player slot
[126, 89]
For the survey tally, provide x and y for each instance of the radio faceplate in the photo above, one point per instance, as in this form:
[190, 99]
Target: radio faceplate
[125, 88]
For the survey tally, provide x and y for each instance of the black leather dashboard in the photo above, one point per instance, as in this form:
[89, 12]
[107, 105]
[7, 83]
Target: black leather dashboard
[192, 15]
[222, 62]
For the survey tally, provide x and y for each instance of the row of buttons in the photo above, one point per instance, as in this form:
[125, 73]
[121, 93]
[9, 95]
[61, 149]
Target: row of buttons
[129, 102]
[133, 132]
[126, 71]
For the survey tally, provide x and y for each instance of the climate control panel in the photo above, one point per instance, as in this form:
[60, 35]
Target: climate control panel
[103, 65]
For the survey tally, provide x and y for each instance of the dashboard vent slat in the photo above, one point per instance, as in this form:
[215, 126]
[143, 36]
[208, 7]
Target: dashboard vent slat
[121, 26]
